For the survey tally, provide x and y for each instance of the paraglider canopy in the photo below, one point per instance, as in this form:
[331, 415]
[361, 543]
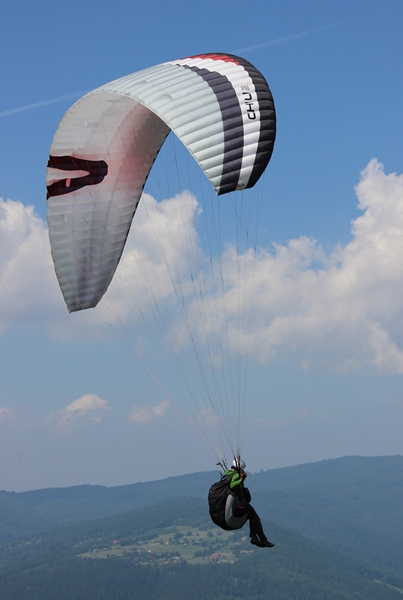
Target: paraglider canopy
[218, 105]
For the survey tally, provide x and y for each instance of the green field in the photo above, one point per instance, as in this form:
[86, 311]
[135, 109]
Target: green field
[175, 544]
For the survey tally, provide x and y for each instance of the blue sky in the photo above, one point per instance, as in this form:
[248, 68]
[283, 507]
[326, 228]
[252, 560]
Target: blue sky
[326, 367]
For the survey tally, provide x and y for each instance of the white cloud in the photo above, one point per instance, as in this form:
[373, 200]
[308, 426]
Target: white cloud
[28, 287]
[6, 413]
[341, 310]
[347, 312]
[88, 408]
[146, 414]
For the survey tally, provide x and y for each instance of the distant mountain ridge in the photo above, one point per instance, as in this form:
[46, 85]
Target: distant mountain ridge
[39, 509]
[353, 504]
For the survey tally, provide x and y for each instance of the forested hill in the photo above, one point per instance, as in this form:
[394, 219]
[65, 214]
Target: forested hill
[353, 504]
[172, 551]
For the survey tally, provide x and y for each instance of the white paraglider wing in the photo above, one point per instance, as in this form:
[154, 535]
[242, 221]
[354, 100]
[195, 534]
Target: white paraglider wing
[218, 105]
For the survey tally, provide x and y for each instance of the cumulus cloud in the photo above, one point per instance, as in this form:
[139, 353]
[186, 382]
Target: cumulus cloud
[28, 288]
[338, 310]
[341, 310]
[146, 414]
[88, 408]
[344, 309]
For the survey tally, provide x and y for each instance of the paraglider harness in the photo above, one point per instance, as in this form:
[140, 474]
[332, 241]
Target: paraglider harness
[228, 509]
